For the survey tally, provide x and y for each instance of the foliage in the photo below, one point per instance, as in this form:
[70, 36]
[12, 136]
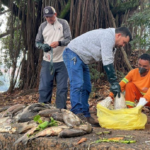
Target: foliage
[38, 119]
[66, 9]
[142, 17]
[122, 6]
[142, 41]
[42, 125]
[28, 15]
[140, 21]
[94, 73]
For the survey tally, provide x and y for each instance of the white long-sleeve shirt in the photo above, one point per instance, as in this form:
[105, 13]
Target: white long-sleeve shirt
[95, 45]
[48, 33]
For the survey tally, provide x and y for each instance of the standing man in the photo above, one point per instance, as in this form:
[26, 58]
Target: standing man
[85, 49]
[52, 37]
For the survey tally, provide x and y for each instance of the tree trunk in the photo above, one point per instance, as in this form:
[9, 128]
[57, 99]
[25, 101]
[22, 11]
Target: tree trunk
[83, 16]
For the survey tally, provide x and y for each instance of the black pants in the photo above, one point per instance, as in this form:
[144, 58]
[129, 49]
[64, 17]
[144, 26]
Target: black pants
[46, 83]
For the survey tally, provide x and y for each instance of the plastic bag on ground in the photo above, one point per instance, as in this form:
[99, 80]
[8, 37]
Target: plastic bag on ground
[124, 119]
[120, 103]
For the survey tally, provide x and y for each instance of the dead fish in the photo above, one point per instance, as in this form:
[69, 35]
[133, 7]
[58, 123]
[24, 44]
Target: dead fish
[6, 127]
[37, 109]
[51, 131]
[85, 127]
[58, 116]
[23, 127]
[45, 119]
[48, 112]
[71, 133]
[47, 132]
[5, 119]
[33, 106]
[70, 119]
[60, 123]
[18, 112]
[4, 108]
[11, 110]
[29, 112]
[27, 116]
[24, 139]
[25, 110]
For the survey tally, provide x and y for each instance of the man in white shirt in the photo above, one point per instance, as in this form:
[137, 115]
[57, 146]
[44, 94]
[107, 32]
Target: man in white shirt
[52, 37]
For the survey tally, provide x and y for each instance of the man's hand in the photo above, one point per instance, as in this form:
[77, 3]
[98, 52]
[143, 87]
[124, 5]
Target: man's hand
[54, 44]
[112, 78]
[142, 102]
[46, 47]
[115, 89]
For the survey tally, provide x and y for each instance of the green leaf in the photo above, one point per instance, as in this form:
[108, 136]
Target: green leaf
[36, 118]
[43, 125]
[53, 122]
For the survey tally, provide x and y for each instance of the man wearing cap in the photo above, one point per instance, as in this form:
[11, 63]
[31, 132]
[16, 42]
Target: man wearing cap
[52, 37]
[92, 46]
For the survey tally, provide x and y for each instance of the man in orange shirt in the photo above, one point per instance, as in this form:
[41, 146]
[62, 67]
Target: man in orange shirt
[136, 83]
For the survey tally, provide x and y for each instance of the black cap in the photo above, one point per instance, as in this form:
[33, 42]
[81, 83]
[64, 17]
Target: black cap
[48, 11]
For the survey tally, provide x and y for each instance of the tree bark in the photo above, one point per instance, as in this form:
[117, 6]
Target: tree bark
[122, 49]
[84, 15]
[3, 12]
[8, 32]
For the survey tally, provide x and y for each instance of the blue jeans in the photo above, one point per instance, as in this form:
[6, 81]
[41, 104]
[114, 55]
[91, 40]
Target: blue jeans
[46, 83]
[80, 85]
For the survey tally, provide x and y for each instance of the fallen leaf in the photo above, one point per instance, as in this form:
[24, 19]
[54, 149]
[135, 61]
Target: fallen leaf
[116, 138]
[82, 140]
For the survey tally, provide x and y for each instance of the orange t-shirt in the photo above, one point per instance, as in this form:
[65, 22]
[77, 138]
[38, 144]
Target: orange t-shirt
[142, 83]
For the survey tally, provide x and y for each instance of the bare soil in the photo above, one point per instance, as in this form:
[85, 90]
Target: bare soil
[53, 143]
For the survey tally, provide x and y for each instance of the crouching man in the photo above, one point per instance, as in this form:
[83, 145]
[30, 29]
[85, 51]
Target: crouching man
[136, 83]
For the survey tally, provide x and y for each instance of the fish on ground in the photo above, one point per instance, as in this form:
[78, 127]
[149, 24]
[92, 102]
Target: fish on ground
[33, 133]
[51, 131]
[24, 139]
[24, 127]
[71, 133]
[70, 118]
[30, 111]
[85, 127]
[49, 112]
[4, 108]
[13, 109]
[7, 127]
[58, 116]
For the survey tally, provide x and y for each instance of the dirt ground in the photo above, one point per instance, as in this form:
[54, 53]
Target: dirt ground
[142, 137]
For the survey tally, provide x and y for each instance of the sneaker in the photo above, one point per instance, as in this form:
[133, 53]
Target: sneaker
[92, 121]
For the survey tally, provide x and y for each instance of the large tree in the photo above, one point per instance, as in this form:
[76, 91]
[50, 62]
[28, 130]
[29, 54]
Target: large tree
[83, 15]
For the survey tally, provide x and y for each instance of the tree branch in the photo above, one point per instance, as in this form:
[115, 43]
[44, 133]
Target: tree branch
[122, 7]
[122, 49]
[15, 9]
[65, 10]
[8, 32]
[1, 13]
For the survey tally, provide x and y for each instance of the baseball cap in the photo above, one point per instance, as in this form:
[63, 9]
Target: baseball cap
[48, 11]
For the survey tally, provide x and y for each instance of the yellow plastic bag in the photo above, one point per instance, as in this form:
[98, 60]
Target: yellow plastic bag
[124, 119]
